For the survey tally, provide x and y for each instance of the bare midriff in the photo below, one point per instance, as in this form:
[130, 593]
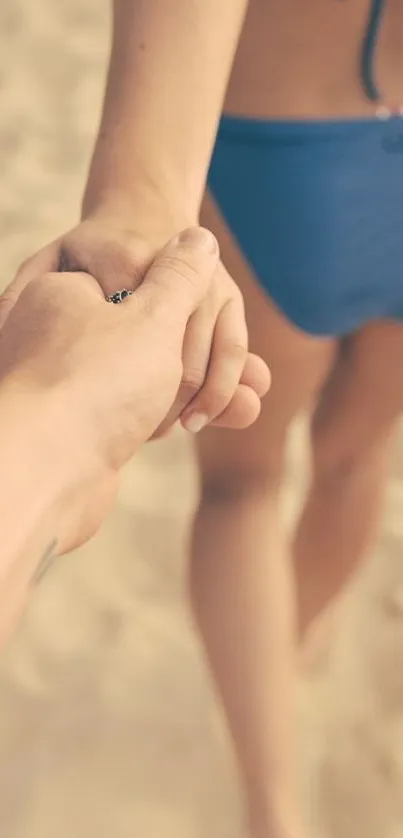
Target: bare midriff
[301, 59]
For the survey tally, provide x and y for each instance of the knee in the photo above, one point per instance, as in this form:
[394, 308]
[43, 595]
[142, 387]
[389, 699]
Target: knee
[237, 483]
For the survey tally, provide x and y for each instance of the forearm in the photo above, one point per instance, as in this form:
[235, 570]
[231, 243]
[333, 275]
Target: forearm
[168, 73]
[30, 486]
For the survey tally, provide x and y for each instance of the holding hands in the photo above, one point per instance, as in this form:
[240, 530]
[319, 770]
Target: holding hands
[105, 377]
[221, 382]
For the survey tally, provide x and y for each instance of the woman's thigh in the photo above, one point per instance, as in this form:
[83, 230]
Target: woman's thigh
[299, 364]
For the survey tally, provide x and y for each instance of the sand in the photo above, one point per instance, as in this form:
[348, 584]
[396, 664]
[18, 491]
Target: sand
[108, 723]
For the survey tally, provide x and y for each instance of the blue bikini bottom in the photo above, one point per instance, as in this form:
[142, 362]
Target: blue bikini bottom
[316, 207]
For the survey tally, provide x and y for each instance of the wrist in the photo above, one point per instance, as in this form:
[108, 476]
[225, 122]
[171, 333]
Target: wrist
[57, 485]
[129, 184]
[151, 216]
[29, 485]
[33, 479]
[35, 456]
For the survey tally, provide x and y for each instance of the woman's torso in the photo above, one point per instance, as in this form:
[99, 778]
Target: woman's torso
[301, 58]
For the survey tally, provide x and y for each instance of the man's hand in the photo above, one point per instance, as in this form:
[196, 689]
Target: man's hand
[109, 374]
[221, 382]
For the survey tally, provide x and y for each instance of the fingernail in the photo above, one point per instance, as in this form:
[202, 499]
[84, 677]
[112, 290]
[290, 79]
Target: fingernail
[199, 237]
[196, 422]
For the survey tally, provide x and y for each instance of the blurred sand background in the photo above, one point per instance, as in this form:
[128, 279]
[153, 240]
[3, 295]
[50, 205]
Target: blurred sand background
[108, 724]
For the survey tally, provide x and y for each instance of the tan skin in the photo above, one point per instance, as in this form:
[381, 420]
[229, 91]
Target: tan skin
[298, 65]
[294, 59]
[350, 417]
[95, 381]
[300, 60]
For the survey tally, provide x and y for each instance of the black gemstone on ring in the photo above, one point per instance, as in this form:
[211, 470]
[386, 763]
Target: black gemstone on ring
[119, 296]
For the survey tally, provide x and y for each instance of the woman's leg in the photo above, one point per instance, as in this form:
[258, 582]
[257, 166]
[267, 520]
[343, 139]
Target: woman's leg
[240, 574]
[351, 429]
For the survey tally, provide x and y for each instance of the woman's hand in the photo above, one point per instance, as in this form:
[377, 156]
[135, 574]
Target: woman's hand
[222, 383]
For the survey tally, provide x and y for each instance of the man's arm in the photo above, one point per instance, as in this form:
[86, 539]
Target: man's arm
[169, 69]
[31, 481]
[34, 469]
[83, 384]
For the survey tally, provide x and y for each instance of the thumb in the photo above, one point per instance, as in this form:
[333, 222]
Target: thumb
[180, 276]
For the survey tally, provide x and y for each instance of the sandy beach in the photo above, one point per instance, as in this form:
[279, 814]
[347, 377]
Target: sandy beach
[108, 722]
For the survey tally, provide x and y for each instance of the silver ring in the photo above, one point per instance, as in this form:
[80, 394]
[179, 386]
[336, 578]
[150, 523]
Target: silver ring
[119, 296]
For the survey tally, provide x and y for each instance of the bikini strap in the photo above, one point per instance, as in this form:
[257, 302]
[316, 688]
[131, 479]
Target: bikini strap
[367, 64]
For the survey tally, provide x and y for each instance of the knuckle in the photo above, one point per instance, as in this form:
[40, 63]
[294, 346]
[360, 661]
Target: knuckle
[235, 351]
[222, 382]
[180, 266]
[215, 397]
[193, 379]
[232, 353]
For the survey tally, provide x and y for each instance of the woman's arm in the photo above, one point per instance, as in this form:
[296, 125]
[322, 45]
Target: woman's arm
[168, 74]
